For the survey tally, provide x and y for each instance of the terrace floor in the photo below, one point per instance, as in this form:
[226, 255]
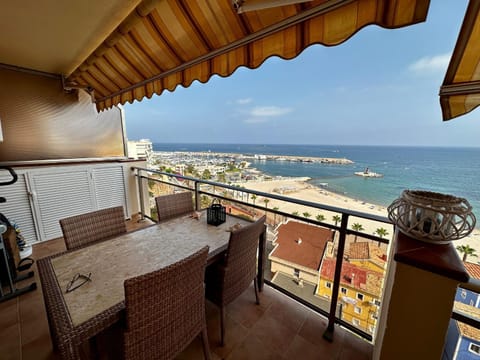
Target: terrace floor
[278, 328]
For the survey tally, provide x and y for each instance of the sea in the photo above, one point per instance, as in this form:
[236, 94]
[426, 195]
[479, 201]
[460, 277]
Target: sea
[448, 170]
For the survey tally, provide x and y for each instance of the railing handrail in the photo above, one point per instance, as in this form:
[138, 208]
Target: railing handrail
[349, 212]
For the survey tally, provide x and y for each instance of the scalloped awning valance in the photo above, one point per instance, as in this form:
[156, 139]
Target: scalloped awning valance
[166, 43]
[460, 91]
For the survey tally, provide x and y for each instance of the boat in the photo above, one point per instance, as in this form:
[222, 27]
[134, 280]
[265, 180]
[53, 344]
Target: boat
[368, 173]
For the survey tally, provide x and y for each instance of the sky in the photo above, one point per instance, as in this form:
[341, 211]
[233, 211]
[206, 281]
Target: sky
[378, 88]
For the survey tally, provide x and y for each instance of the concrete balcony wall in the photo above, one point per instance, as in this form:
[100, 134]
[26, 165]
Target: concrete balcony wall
[418, 300]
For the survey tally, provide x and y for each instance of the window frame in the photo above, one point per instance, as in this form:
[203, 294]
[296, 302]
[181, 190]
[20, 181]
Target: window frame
[476, 352]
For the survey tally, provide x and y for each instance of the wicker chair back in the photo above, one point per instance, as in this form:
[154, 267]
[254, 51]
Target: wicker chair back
[81, 230]
[173, 205]
[165, 309]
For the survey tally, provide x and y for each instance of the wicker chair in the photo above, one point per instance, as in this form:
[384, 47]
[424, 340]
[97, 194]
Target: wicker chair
[92, 227]
[227, 280]
[173, 205]
[165, 310]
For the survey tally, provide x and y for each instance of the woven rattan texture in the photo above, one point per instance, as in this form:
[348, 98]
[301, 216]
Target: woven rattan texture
[173, 205]
[65, 337]
[165, 309]
[92, 227]
[225, 282]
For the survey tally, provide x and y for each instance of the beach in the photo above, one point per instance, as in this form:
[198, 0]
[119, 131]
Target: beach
[299, 188]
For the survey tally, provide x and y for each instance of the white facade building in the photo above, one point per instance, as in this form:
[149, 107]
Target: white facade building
[139, 149]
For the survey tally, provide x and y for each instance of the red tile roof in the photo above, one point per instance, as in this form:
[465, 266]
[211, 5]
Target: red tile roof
[353, 276]
[472, 269]
[301, 243]
[367, 251]
[359, 250]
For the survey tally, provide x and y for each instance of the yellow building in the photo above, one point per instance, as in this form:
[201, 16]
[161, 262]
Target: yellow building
[359, 293]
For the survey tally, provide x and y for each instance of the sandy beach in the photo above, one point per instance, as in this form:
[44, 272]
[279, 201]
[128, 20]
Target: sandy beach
[299, 188]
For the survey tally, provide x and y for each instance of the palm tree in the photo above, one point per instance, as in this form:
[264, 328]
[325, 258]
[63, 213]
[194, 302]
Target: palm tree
[307, 214]
[266, 201]
[254, 197]
[295, 213]
[320, 217]
[381, 232]
[467, 251]
[275, 208]
[336, 219]
[357, 227]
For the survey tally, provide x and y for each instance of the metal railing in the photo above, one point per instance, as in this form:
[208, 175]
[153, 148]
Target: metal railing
[343, 230]
[144, 174]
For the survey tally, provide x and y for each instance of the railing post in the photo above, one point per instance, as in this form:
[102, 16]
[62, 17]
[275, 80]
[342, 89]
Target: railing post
[140, 193]
[328, 334]
[197, 196]
[262, 258]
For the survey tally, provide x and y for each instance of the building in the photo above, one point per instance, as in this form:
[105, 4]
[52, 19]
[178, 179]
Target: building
[360, 292]
[463, 341]
[298, 250]
[367, 255]
[141, 149]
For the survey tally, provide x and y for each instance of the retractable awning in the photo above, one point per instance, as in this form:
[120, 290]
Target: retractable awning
[166, 43]
[460, 92]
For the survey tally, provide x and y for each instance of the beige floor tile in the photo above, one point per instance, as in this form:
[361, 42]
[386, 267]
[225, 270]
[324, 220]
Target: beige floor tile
[252, 348]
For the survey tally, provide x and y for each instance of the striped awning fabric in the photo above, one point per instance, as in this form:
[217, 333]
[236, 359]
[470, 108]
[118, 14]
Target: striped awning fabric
[460, 92]
[166, 43]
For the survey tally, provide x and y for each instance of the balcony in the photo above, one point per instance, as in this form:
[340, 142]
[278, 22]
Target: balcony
[279, 328]
[292, 317]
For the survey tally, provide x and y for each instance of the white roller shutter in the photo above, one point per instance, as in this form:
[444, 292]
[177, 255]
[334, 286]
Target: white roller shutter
[61, 193]
[109, 187]
[17, 208]
[58, 195]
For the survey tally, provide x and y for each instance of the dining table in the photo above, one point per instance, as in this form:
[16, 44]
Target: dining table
[75, 317]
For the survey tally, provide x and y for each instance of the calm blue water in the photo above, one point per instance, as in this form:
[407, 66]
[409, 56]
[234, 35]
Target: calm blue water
[453, 171]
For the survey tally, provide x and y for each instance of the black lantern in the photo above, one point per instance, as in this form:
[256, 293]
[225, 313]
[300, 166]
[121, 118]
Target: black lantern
[216, 213]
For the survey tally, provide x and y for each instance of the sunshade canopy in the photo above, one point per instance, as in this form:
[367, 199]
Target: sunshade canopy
[165, 43]
[460, 92]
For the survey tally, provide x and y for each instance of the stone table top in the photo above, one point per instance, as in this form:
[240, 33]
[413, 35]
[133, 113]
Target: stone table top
[112, 262]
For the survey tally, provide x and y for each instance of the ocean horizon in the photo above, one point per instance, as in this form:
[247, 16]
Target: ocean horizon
[448, 170]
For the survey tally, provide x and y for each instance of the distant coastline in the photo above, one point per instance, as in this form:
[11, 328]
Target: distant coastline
[336, 185]
[445, 170]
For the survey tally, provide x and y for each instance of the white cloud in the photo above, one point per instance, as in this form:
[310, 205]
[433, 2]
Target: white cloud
[260, 114]
[243, 101]
[269, 111]
[430, 64]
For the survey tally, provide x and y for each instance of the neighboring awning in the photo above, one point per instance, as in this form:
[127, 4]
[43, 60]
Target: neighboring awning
[460, 92]
[166, 43]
